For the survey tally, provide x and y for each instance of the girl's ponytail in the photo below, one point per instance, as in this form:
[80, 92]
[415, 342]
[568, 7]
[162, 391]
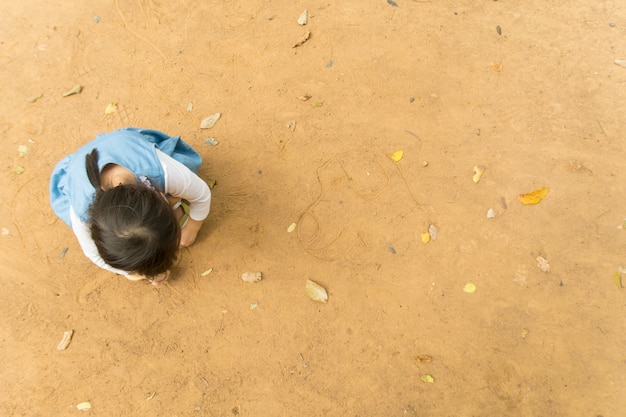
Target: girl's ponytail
[93, 172]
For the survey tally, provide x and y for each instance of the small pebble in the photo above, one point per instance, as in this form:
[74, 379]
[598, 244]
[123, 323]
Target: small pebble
[96, 19]
[612, 24]
[491, 213]
[499, 30]
[425, 164]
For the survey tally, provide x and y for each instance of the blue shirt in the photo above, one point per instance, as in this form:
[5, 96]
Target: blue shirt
[132, 148]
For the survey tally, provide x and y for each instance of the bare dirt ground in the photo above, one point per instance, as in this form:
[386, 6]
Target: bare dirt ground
[529, 90]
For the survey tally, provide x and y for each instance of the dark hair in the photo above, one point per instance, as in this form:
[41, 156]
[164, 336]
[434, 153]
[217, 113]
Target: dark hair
[133, 226]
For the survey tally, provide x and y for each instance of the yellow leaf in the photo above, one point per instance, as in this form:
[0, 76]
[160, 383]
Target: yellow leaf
[397, 155]
[428, 378]
[110, 108]
[534, 197]
[75, 90]
[425, 237]
[316, 292]
[618, 280]
[22, 150]
[469, 288]
[478, 172]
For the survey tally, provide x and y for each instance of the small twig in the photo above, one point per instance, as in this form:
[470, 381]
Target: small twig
[219, 329]
[602, 129]
[412, 134]
[280, 365]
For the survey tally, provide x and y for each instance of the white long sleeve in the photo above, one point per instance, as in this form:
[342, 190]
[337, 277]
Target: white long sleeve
[181, 182]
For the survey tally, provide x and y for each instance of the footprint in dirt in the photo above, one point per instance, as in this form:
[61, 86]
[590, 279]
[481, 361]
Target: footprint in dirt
[365, 202]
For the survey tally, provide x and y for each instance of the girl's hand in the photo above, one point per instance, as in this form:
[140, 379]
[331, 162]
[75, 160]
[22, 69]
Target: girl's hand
[159, 279]
[189, 232]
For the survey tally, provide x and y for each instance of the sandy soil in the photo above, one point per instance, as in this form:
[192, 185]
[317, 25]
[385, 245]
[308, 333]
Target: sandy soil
[539, 102]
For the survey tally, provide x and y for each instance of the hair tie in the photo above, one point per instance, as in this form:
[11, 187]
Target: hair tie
[147, 182]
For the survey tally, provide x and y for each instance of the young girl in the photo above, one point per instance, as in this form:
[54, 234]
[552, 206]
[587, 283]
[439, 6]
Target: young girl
[132, 198]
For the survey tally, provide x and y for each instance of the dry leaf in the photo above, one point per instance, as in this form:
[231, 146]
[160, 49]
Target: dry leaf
[618, 280]
[428, 378]
[65, 341]
[425, 237]
[423, 359]
[84, 406]
[110, 108]
[316, 292]
[534, 197]
[34, 98]
[210, 121]
[397, 156]
[304, 18]
[432, 231]
[543, 264]
[496, 67]
[620, 62]
[305, 37]
[22, 150]
[478, 172]
[252, 276]
[75, 90]
[305, 97]
[469, 288]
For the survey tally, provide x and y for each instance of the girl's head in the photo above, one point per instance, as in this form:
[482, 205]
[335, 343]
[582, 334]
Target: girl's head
[133, 226]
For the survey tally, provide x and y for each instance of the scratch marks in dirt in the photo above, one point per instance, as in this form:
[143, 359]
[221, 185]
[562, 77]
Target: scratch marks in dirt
[364, 198]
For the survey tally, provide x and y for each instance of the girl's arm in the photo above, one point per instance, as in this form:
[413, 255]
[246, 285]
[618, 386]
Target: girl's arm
[181, 182]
